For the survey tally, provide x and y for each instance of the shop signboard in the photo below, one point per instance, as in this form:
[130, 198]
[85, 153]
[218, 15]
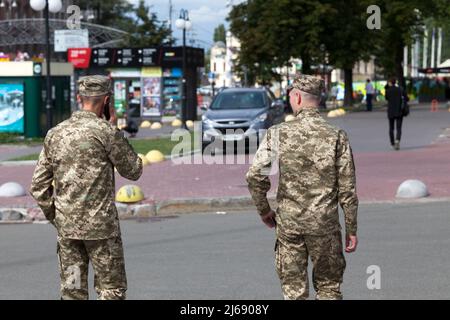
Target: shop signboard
[79, 57]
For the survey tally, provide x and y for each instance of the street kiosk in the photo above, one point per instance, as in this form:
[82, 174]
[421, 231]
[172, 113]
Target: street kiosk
[23, 95]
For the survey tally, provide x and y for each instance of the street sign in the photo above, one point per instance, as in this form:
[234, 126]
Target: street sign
[66, 39]
[124, 57]
[167, 57]
[79, 57]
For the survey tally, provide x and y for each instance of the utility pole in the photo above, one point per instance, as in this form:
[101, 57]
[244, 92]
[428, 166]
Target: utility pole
[439, 48]
[425, 49]
[170, 16]
[433, 49]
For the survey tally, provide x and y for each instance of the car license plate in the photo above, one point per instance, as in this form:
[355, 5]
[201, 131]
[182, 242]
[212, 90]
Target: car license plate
[233, 137]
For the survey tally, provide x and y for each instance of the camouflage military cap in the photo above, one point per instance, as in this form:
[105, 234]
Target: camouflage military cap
[93, 86]
[308, 84]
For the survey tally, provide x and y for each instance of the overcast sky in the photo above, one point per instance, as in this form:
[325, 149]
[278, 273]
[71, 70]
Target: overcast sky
[204, 14]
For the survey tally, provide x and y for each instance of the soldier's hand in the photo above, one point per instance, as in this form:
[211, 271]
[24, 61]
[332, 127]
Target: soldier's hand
[269, 219]
[351, 242]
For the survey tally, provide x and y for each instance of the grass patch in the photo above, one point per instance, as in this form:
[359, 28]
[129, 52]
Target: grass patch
[165, 145]
[26, 158]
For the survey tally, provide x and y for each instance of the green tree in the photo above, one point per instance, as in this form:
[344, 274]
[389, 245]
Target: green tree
[220, 34]
[147, 31]
[272, 32]
[402, 22]
[346, 38]
[141, 24]
[112, 13]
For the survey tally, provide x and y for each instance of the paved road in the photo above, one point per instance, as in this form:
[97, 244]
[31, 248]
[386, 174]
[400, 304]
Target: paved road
[368, 131]
[231, 256]
[8, 152]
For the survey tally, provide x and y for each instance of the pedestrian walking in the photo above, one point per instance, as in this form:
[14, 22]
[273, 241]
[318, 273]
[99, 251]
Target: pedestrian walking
[73, 183]
[316, 174]
[447, 91]
[334, 95]
[397, 101]
[370, 92]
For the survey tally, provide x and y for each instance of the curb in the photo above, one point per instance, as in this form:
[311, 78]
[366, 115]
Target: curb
[406, 201]
[203, 205]
[18, 163]
[184, 206]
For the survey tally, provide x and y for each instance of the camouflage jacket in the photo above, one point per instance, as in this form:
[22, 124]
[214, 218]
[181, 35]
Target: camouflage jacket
[316, 172]
[79, 156]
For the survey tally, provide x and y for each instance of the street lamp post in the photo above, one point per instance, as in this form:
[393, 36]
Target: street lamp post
[323, 50]
[375, 61]
[183, 23]
[323, 101]
[47, 6]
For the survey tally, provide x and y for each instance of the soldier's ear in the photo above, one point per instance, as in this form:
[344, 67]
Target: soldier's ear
[106, 100]
[299, 98]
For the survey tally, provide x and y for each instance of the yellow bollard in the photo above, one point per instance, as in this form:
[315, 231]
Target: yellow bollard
[155, 156]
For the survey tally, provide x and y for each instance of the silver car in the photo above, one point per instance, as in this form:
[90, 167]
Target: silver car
[241, 115]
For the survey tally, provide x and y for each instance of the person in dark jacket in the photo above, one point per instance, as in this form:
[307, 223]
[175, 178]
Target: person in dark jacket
[132, 127]
[447, 90]
[395, 97]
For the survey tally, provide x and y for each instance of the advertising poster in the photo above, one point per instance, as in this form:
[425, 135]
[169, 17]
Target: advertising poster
[120, 96]
[12, 108]
[151, 96]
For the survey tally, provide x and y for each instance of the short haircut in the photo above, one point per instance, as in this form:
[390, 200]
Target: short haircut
[309, 96]
[93, 101]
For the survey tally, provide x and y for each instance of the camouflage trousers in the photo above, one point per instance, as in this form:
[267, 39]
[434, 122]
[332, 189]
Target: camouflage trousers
[107, 260]
[326, 252]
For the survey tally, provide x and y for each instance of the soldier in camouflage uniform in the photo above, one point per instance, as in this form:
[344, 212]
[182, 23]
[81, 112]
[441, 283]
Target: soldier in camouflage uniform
[316, 173]
[79, 156]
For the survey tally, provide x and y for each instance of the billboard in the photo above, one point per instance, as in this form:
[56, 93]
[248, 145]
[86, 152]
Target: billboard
[151, 97]
[12, 108]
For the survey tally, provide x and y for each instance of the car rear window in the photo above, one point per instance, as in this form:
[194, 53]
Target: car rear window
[238, 100]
